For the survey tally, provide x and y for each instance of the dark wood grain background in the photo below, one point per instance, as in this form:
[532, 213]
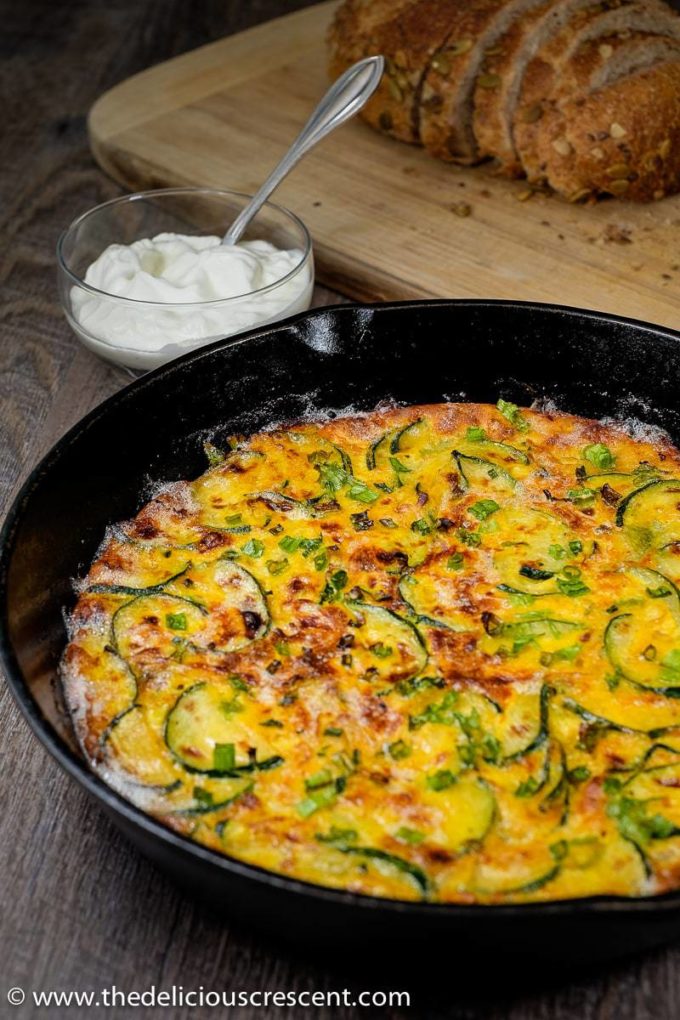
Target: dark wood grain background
[79, 909]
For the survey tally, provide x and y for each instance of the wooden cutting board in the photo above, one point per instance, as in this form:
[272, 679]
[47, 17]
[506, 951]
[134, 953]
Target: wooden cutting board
[387, 220]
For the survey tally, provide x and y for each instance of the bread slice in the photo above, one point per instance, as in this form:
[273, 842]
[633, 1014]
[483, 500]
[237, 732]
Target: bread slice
[544, 72]
[446, 108]
[504, 66]
[595, 65]
[622, 139]
[363, 28]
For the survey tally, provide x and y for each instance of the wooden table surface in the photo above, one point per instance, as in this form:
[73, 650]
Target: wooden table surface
[79, 909]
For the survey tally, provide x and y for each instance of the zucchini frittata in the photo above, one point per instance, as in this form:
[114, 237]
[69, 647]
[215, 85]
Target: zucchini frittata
[432, 652]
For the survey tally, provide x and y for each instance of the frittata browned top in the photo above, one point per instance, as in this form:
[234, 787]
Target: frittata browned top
[431, 652]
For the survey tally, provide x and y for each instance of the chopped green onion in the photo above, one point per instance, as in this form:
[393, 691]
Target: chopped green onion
[334, 585]
[528, 788]
[338, 837]
[254, 548]
[399, 750]
[470, 538]
[535, 573]
[238, 684]
[224, 757]
[361, 493]
[322, 778]
[513, 414]
[310, 545]
[398, 467]
[441, 780]
[277, 566]
[176, 621]
[410, 836]
[599, 455]
[321, 560]
[581, 496]
[483, 508]
[475, 434]
[572, 586]
[203, 797]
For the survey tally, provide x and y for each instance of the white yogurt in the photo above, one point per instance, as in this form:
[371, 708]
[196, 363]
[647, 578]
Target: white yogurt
[174, 284]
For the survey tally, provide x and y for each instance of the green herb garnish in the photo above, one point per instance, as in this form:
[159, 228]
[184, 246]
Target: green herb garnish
[512, 413]
[224, 757]
[441, 780]
[176, 621]
[599, 455]
[253, 548]
[483, 509]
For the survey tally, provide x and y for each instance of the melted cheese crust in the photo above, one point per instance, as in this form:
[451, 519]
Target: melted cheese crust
[432, 652]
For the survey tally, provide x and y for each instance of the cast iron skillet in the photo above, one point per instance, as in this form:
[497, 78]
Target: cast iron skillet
[104, 469]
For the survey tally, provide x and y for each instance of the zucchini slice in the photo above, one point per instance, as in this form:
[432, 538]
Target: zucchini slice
[392, 443]
[216, 606]
[481, 475]
[106, 691]
[464, 813]
[152, 627]
[643, 644]
[319, 450]
[132, 745]
[542, 732]
[644, 648]
[205, 731]
[502, 452]
[541, 549]
[620, 482]
[650, 515]
[386, 646]
[233, 598]
[433, 600]
[512, 870]
[382, 858]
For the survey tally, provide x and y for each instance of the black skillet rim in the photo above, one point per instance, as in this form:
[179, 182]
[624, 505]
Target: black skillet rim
[76, 767]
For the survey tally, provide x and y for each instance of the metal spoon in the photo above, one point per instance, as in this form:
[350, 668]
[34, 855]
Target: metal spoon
[343, 99]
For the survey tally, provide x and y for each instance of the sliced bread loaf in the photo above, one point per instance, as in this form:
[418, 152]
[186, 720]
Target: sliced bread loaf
[545, 87]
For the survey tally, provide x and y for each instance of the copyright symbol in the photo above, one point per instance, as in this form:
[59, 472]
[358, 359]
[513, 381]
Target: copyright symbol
[16, 996]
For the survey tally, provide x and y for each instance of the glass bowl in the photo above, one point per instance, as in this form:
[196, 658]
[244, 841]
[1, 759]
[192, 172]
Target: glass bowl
[144, 334]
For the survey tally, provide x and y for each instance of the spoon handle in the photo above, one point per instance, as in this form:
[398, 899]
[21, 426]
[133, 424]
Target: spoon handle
[344, 98]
